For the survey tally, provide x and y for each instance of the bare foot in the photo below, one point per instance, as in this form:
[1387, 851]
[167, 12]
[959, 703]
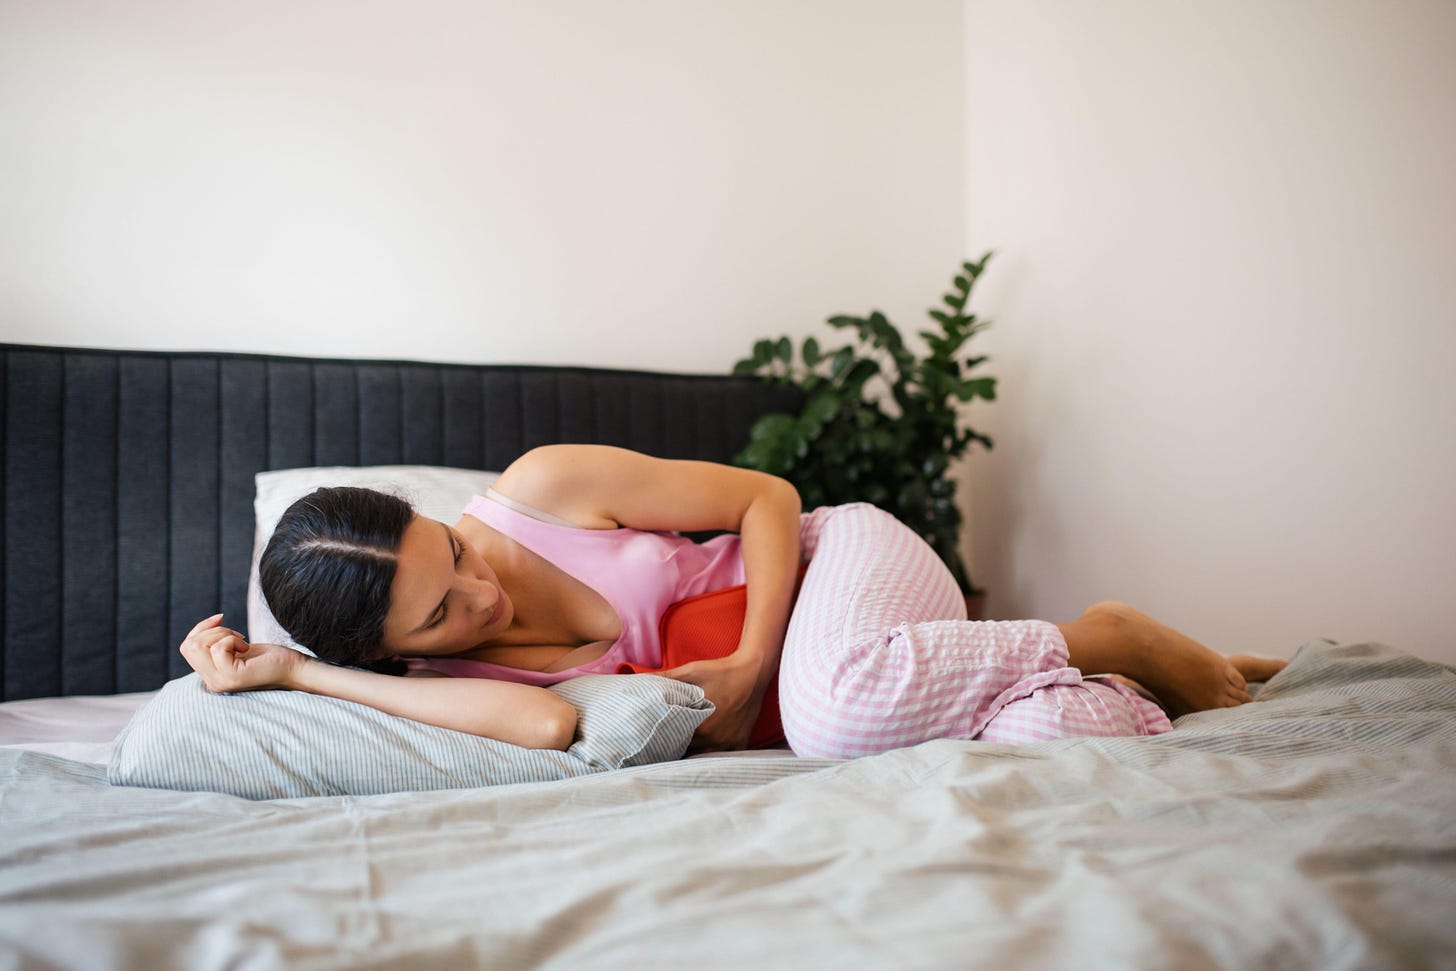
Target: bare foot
[1185, 675]
[1255, 668]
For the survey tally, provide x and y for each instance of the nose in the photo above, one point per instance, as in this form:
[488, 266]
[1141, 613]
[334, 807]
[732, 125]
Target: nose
[481, 594]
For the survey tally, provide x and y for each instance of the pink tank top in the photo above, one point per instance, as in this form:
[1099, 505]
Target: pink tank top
[639, 573]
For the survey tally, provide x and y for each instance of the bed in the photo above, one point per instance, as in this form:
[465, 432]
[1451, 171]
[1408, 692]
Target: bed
[1315, 827]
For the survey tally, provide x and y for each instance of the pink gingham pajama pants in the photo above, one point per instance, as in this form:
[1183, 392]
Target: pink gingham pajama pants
[879, 655]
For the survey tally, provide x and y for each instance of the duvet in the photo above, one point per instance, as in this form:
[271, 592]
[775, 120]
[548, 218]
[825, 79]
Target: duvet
[1315, 827]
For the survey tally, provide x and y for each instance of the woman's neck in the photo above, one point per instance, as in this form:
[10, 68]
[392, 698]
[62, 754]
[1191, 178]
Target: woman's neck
[518, 573]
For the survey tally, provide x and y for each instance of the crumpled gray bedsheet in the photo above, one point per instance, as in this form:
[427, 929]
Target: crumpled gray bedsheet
[1315, 827]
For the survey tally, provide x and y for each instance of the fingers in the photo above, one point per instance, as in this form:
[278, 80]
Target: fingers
[205, 623]
[209, 629]
[224, 648]
[217, 654]
[204, 639]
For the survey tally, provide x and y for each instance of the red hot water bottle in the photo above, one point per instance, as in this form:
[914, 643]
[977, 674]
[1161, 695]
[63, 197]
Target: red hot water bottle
[708, 626]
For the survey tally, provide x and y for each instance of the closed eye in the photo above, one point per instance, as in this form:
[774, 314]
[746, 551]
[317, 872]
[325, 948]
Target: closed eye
[459, 549]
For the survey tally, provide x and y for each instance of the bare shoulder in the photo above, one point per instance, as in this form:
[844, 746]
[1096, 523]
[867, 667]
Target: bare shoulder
[545, 464]
[566, 480]
[601, 486]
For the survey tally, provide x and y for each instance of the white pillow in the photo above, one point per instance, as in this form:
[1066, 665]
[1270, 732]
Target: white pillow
[435, 491]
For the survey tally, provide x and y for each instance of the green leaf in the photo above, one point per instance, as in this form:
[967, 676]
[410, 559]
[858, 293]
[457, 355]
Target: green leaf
[745, 366]
[977, 388]
[785, 350]
[864, 369]
[811, 352]
[976, 269]
[945, 319]
[842, 359]
[842, 320]
[774, 425]
[962, 284]
[888, 333]
[952, 300]
[934, 341]
[822, 407]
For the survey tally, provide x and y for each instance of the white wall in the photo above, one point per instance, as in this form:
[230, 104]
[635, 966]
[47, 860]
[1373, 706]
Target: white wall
[1226, 315]
[645, 183]
[1223, 291]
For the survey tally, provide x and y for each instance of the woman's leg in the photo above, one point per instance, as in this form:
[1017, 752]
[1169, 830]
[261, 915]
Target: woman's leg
[879, 655]
[867, 573]
[1113, 638]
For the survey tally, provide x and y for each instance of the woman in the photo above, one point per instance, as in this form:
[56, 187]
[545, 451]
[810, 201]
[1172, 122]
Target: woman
[565, 566]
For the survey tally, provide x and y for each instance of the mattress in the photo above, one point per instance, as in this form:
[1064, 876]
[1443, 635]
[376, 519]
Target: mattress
[80, 727]
[1314, 827]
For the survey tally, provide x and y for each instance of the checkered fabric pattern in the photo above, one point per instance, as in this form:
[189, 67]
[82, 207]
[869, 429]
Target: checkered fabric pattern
[879, 654]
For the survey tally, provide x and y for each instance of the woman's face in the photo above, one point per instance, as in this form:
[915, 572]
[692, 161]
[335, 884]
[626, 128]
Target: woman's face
[445, 598]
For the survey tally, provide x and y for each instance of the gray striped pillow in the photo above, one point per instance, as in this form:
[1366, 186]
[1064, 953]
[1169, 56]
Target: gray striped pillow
[281, 744]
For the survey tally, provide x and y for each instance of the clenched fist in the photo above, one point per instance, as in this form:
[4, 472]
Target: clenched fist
[227, 662]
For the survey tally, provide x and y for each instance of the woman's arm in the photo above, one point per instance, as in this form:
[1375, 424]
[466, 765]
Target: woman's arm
[516, 713]
[520, 714]
[601, 486]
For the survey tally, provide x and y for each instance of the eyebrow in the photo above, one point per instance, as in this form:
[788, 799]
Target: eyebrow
[450, 539]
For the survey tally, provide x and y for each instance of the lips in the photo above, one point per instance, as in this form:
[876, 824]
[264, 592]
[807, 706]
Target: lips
[495, 614]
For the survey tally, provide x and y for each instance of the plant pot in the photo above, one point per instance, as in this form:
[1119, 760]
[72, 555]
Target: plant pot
[976, 605]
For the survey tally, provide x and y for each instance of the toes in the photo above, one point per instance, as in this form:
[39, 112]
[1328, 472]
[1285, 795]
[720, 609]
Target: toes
[1256, 668]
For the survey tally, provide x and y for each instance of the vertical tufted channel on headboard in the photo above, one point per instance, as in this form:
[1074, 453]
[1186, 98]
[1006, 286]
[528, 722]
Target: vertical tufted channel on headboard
[127, 486]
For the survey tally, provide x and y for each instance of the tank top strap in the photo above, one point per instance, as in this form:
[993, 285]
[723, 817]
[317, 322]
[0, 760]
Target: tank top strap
[531, 511]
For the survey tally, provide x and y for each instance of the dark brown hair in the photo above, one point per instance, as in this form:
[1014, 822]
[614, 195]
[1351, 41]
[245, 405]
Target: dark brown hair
[327, 570]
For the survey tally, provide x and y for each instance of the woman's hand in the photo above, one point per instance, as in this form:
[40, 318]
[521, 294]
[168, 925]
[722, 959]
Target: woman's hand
[731, 684]
[227, 662]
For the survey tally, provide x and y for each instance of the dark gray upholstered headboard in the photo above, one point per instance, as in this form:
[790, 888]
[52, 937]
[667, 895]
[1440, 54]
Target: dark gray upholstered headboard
[128, 475]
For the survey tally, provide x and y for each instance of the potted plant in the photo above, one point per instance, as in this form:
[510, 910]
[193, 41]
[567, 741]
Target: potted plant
[879, 423]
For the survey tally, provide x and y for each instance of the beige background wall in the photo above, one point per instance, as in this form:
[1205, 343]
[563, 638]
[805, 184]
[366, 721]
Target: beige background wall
[646, 183]
[1226, 316]
[1223, 291]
